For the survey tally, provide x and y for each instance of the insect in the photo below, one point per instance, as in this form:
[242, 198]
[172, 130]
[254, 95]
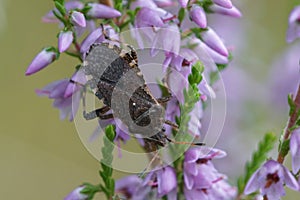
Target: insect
[115, 78]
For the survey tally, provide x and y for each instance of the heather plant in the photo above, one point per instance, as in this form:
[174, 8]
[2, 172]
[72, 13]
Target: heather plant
[193, 56]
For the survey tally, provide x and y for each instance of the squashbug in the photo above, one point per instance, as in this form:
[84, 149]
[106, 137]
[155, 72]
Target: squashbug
[115, 78]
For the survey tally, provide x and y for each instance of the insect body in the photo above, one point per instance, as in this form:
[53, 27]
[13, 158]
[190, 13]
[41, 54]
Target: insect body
[115, 78]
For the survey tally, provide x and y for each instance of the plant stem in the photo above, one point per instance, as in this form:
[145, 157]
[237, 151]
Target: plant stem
[291, 123]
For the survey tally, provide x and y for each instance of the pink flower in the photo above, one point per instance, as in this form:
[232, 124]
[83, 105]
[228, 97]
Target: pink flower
[65, 39]
[78, 19]
[56, 90]
[197, 14]
[232, 12]
[76, 195]
[293, 31]
[211, 39]
[270, 179]
[102, 11]
[223, 3]
[42, 60]
[183, 3]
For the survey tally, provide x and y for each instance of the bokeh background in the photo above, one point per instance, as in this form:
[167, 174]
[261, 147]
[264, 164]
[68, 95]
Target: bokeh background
[43, 158]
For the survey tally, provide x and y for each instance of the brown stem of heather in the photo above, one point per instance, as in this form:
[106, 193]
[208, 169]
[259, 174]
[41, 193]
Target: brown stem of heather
[107, 2]
[291, 123]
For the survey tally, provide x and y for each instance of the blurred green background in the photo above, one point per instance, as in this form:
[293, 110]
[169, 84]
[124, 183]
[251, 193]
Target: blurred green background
[41, 156]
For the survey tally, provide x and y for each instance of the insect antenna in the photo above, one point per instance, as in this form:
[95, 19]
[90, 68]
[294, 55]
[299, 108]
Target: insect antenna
[183, 142]
[142, 173]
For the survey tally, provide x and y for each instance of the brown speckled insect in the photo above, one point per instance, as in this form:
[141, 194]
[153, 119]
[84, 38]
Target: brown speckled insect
[116, 79]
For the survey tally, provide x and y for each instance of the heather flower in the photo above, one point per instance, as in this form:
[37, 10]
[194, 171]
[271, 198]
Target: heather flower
[42, 60]
[102, 11]
[78, 79]
[194, 125]
[183, 3]
[270, 179]
[180, 62]
[197, 14]
[295, 150]
[165, 180]
[65, 39]
[96, 36]
[167, 39]
[212, 40]
[293, 31]
[70, 5]
[223, 3]
[199, 172]
[232, 12]
[217, 58]
[76, 195]
[220, 190]
[202, 180]
[78, 19]
[206, 54]
[128, 187]
[164, 3]
[147, 17]
[205, 89]
[56, 90]
[90, 39]
[142, 3]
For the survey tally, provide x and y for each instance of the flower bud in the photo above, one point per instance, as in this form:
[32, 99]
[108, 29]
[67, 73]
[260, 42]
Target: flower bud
[223, 3]
[102, 11]
[233, 12]
[211, 39]
[65, 39]
[78, 19]
[42, 60]
[197, 14]
[183, 3]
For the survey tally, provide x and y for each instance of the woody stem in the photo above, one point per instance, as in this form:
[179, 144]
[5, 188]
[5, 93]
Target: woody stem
[292, 121]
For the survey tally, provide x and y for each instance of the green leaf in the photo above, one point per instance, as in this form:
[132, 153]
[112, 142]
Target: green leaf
[258, 157]
[106, 174]
[197, 32]
[59, 17]
[118, 5]
[181, 14]
[62, 2]
[196, 76]
[85, 9]
[285, 147]
[291, 104]
[110, 132]
[60, 7]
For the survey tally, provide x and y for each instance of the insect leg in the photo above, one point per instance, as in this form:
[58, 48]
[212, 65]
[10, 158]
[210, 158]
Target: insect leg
[172, 124]
[100, 113]
[133, 53]
[164, 99]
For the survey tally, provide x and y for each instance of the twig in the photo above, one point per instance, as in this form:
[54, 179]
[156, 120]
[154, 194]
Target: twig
[291, 123]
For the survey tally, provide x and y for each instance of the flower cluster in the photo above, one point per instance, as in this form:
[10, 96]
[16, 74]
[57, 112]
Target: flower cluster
[201, 178]
[185, 38]
[269, 179]
[180, 31]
